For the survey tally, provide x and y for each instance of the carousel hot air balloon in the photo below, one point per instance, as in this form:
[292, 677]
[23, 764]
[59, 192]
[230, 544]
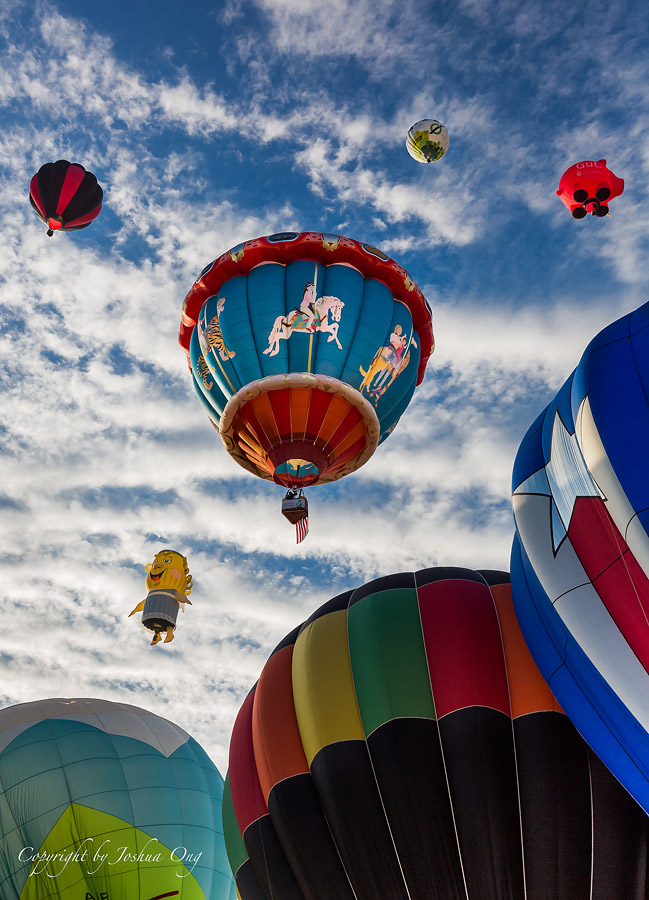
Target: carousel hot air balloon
[580, 559]
[402, 744]
[305, 350]
[105, 800]
[65, 196]
[427, 141]
[588, 187]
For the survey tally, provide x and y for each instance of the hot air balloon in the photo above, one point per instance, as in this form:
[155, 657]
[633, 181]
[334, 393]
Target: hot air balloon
[580, 558]
[169, 584]
[427, 141]
[305, 350]
[65, 196]
[402, 744]
[105, 800]
[588, 187]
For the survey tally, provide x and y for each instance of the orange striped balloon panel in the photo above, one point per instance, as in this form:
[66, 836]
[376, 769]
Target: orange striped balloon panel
[299, 436]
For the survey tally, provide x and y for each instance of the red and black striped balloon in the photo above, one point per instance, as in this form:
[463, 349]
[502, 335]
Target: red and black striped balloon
[65, 196]
[402, 745]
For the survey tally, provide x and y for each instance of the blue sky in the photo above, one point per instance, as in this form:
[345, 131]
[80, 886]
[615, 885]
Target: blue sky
[211, 123]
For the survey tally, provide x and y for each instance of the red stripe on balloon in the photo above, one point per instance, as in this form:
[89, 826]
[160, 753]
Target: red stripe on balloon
[275, 733]
[320, 403]
[84, 220]
[36, 195]
[247, 797]
[350, 420]
[463, 646]
[281, 406]
[614, 571]
[73, 178]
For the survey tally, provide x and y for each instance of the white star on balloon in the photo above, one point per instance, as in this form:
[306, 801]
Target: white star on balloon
[564, 478]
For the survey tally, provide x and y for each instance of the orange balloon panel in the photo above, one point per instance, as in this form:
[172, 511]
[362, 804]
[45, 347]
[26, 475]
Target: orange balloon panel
[299, 435]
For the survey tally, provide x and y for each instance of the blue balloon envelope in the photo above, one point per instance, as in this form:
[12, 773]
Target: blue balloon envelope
[305, 349]
[580, 557]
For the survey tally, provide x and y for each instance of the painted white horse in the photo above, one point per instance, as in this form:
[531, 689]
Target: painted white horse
[327, 312]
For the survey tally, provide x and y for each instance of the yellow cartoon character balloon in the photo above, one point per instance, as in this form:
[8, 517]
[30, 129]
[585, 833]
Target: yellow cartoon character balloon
[169, 583]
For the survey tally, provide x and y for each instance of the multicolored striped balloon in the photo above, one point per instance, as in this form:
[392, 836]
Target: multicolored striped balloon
[105, 800]
[402, 744]
[580, 559]
[305, 350]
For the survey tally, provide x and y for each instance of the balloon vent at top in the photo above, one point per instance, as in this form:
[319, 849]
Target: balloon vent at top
[305, 349]
[65, 196]
[427, 141]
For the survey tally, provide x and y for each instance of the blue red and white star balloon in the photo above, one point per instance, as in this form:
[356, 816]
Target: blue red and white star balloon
[580, 558]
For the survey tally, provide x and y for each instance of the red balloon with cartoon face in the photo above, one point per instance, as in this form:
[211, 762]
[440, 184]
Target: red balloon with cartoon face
[588, 187]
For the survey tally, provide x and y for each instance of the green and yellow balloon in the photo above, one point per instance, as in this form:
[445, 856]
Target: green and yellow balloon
[427, 141]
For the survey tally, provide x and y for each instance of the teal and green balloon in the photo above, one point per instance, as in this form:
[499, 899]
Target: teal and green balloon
[105, 801]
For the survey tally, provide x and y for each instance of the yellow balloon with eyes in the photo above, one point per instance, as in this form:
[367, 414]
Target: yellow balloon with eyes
[169, 571]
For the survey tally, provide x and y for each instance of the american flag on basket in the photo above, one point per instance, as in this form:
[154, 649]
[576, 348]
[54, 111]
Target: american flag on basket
[301, 529]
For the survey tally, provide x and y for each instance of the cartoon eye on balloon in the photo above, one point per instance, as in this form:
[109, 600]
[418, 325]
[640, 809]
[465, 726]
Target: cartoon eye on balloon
[65, 196]
[402, 743]
[580, 560]
[305, 350]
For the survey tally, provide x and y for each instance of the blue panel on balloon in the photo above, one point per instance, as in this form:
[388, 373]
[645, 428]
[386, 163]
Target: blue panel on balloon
[148, 770]
[95, 745]
[562, 403]
[267, 312]
[347, 285]
[372, 331]
[616, 331]
[214, 409]
[234, 321]
[530, 453]
[640, 348]
[90, 775]
[304, 280]
[402, 358]
[152, 808]
[390, 418]
[218, 356]
[616, 396]
[209, 381]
